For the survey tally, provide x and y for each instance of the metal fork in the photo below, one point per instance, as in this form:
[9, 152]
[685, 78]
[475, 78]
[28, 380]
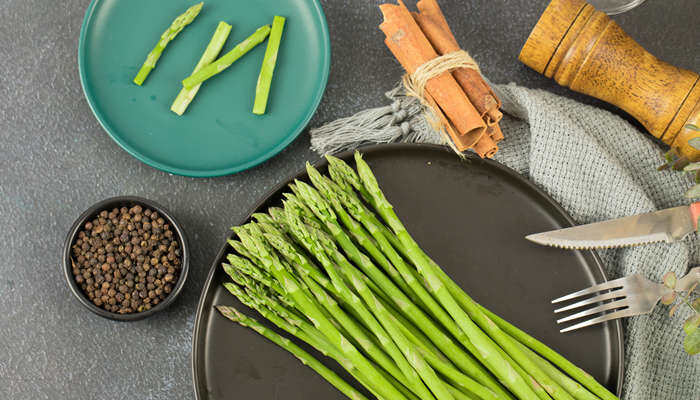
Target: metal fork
[631, 295]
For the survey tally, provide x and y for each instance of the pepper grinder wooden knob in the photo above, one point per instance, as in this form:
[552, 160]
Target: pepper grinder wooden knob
[586, 51]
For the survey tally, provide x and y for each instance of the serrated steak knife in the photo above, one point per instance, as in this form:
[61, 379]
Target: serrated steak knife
[667, 225]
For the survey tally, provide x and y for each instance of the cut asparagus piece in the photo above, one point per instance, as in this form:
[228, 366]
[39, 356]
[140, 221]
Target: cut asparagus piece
[262, 89]
[306, 358]
[177, 25]
[227, 59]
[185, 97]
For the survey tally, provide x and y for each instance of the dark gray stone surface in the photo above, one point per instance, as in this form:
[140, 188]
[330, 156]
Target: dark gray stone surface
[55, 161]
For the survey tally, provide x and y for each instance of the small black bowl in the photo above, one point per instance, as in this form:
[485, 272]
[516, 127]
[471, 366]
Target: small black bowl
[109, 204]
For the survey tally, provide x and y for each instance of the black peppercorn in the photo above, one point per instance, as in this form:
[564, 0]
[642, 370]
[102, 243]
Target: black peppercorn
[126, 259]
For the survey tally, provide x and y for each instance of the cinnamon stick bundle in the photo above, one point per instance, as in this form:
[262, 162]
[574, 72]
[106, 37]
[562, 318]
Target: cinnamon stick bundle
[459, 97]
[433, 23]
[412, 49]
[462, 143]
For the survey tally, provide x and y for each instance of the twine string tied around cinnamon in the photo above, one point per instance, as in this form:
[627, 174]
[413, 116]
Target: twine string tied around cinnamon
[415, 83]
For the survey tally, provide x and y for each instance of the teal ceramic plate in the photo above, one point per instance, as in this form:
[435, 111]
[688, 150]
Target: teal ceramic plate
[218, 134]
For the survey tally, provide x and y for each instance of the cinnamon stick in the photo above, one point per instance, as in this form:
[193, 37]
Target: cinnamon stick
[486, 147]
[433, 23]
[462, 143]
[495, 132]
[405, 38]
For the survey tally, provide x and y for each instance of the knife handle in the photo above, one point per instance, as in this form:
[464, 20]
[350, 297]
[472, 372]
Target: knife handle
[695, 213]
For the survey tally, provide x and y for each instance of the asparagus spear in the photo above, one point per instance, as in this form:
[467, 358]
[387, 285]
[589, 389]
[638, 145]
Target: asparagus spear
[277, 214]
[227, 59]
[299, 328]
[185, 97]
[487, 349]
[306, 358]
[329, 247]
[357, 209]
[555, 358]
[322, 211]
[348, 179]
[424, 370]
[265, 218]
[404, 370]
[571, 386]
[307, 306]
[262, 89]
[326, 187]
[177, 25]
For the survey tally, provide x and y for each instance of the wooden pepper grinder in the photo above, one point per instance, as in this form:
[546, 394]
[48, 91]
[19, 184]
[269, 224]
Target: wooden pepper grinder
[586, 51]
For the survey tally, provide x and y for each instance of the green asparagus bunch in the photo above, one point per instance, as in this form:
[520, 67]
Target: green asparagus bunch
[336, 268]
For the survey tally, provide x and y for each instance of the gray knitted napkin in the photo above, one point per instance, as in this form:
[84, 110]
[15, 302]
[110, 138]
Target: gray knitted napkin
[597, 166]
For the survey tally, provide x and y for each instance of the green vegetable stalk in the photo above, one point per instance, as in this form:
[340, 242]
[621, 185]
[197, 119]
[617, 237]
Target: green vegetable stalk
[340, 198]
[407, 348]
[379, 306]
[323, 211]
[486, 347]
[306, 358]
[227, 59]
[185, 97]
[309, 307]
[178, 25]
[262, 90]
[400, 367]
[349, 180]
[285, 319]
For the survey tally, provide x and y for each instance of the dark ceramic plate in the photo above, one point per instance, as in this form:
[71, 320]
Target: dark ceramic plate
[471, 217]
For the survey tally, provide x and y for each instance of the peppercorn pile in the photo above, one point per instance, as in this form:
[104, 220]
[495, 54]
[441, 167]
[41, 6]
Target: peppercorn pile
[126, 260]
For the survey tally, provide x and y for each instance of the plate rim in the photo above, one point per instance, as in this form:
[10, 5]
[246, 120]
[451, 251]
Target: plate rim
[194, 354]
[206, 173]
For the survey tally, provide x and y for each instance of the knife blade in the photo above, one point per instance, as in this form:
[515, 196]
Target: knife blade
[667, 225]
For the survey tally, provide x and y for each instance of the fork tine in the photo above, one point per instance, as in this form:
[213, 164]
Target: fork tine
[605, 296]
[603, 286]
[628, 312]
[595, 310]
